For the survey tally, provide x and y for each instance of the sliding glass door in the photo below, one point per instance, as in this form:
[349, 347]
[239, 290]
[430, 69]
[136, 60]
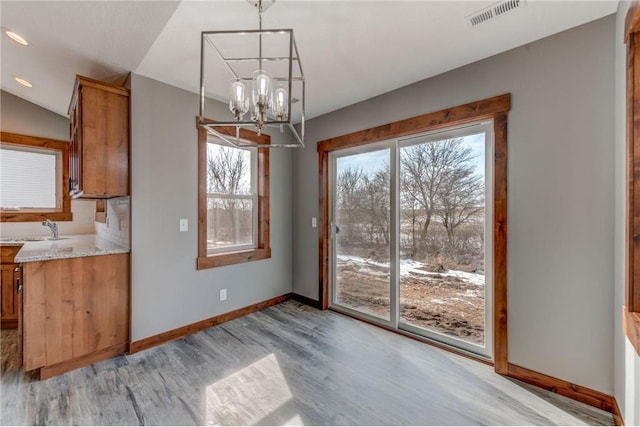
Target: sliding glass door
[361, 232]
[444, 238]
[411, 235]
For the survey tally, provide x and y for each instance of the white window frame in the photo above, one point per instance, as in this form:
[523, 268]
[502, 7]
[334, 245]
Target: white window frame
[253, 197]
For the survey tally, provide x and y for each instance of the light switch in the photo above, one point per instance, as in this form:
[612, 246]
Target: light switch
[184, 225]
[223, 294]
[314, 222]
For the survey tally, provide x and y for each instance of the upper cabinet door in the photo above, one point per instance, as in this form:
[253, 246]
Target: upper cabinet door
[99, 161]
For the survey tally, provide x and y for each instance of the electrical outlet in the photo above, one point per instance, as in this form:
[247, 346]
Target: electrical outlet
[314, 222]
[223, 294]
[184, 225]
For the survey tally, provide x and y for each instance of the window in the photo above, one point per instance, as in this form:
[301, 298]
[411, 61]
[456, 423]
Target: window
[231, 196]
[233, 202]
[631, 311]
[33, 179]
[28, 178]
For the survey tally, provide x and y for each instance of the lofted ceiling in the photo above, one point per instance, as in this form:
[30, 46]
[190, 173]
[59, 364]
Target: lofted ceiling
[350, 50]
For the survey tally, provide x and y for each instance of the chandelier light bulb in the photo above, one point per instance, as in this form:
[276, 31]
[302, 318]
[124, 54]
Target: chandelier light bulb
[261, 88]
[280, 103]
[238, 102]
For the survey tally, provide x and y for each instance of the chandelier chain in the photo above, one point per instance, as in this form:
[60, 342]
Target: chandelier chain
[260, 36]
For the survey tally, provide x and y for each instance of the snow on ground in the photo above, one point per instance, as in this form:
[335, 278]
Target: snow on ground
[409, 267]
[372, 272]
[358, 260]
[474, 278]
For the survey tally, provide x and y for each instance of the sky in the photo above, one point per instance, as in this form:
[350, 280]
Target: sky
[476, 144]
[369, 162]
[373, 161]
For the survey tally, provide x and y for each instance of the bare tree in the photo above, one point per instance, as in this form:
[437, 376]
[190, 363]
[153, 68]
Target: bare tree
[227, 174]
[363, 208]
[460, 198]
[439, 186]
[437, 177]
[347, 188]
[374, 203]
[410, 210]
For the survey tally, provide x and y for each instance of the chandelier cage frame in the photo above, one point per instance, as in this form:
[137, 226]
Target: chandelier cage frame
[293, 80]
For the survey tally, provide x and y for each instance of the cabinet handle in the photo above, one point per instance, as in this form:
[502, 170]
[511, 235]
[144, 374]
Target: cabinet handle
[18, 280]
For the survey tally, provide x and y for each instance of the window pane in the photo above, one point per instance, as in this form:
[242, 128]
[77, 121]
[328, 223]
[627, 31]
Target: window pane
[229, 222]
[442, 240]
[228, 170]
[362, 217]
[27, 179]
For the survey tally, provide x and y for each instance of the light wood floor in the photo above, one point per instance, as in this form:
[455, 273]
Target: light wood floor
[288, 364]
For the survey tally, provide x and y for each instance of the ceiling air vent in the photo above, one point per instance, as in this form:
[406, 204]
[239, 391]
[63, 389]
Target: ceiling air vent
[506, 6]
[493, 11]
[481, 17]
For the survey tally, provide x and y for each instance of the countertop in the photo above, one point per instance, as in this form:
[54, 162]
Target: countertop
[66, 247]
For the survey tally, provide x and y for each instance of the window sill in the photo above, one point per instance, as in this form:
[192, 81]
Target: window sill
[231, 258]
[631, 326]
[16, 216]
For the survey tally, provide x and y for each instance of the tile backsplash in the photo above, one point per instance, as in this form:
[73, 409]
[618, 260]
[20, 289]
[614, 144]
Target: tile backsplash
[117, 227]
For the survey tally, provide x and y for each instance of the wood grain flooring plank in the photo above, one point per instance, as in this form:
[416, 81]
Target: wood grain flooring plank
[287, 364]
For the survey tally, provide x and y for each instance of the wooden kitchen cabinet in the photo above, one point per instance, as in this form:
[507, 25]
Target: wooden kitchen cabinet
[99, 132]
[75, 312]
[9, 288]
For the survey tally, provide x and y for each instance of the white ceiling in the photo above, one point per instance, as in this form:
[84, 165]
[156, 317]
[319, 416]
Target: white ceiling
[102, 40]
[350, 50]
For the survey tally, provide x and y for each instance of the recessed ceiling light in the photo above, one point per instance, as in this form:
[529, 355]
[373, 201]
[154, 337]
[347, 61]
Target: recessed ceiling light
[23, 82]
[16, 37]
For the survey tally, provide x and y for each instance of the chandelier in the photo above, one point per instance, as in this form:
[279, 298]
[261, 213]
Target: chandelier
[263, 76]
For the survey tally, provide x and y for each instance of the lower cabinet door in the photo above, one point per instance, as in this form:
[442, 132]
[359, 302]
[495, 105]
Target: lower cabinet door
[74, 307]
[8, 297]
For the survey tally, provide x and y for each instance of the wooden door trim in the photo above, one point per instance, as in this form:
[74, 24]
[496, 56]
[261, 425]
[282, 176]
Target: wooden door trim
[495, 108]
[631, 310]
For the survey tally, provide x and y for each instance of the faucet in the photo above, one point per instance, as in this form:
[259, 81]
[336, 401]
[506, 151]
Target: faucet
[54, 228]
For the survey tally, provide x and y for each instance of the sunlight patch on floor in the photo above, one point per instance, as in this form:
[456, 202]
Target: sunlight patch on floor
[294, 421]
[249, 395]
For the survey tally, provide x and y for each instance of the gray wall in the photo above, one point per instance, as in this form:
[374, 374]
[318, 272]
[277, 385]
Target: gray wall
[167, 290]
[560, 265]
[20, 116]
[627, 362]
